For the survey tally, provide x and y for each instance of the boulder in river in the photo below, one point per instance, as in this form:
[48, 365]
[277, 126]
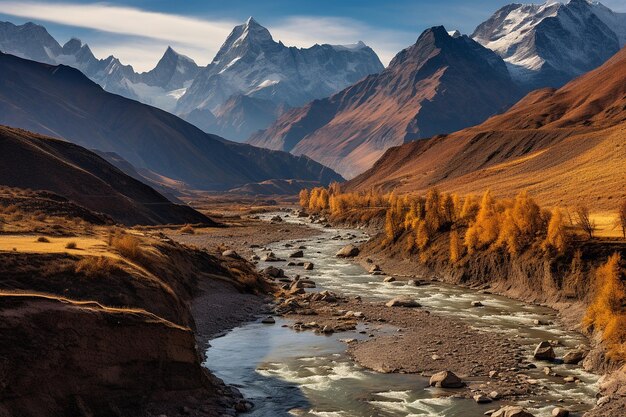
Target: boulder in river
[402, 302]
[297, 254]
[544, 352]
[308, 266]
[276, 219]
[560, 412]
[389, 279]
[348, 251]
[268, 320]
[446, 379]
[574, 356]
[477, 304]
[512, 411]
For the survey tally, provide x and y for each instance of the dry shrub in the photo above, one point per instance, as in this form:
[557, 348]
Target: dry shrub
[187, 229]
[95, 266]
[128, 246]
[71, 245]
[605, 313]
[43, 239]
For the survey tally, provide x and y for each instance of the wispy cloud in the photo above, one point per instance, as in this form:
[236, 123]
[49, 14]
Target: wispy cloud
[141, 35]
[304, 31]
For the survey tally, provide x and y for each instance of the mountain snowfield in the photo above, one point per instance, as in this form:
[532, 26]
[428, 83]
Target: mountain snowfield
[549, 44]
[249, 63]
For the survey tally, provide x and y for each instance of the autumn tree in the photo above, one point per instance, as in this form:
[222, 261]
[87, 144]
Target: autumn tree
[605, 313]
[556, 237]
[456, 249]
[583, 220]
[520, 224]
[304, 198]
[485, 229]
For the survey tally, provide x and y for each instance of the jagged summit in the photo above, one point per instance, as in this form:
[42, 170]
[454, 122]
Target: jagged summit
[438, 85]
[252, 63]
[549, 44]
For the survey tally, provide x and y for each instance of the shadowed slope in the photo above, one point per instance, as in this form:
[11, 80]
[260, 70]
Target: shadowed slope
[32, 161]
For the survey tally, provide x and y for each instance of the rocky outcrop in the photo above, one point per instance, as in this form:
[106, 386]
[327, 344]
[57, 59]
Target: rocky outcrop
[82, 355]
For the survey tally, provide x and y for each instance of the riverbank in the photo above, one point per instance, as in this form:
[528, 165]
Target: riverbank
[419, 341]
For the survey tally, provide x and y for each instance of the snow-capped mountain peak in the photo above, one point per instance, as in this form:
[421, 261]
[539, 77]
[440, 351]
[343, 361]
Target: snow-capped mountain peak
[548, 44]
[252, 63]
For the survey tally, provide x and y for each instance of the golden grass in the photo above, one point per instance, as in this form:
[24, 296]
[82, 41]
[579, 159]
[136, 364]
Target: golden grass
[28, 243]
[606, 223]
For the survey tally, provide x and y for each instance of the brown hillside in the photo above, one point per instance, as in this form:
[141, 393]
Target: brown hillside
[28, 160]
[565, 146]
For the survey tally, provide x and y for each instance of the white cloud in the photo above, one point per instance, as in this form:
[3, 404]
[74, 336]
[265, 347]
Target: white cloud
[304, 31]
[143, 35]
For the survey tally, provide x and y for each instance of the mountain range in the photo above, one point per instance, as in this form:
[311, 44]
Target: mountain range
[60, 101]
[250, 63]
[442, 83]
[563, 145]
[446, 82]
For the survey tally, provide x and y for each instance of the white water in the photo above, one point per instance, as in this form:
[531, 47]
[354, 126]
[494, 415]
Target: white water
[288, 373]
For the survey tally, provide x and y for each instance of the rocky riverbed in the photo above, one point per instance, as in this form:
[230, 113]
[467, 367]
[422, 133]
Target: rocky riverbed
[485, 340]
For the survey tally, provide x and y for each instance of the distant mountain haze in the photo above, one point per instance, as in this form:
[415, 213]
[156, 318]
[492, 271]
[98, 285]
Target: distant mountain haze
[60, 101]
[249, 63]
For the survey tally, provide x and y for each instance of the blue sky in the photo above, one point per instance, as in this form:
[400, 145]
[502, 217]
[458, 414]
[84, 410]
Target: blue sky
[138, 31]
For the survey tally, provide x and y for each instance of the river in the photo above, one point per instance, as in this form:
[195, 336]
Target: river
[289, 373]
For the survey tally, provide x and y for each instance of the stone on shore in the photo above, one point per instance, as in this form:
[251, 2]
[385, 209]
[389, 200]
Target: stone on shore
[231, 254]
[274, 272]
[402, 302]
[446, 379]
[560, 412]
[482, 399]
[348, 251]
[544, 352]
[511, 411]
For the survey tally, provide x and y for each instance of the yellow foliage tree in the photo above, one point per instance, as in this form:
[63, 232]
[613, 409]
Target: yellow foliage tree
[456, 248]
[556, 238]
[304, 198]
[485, 229]
[422, 235]
[606, 313]
[520, 224]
